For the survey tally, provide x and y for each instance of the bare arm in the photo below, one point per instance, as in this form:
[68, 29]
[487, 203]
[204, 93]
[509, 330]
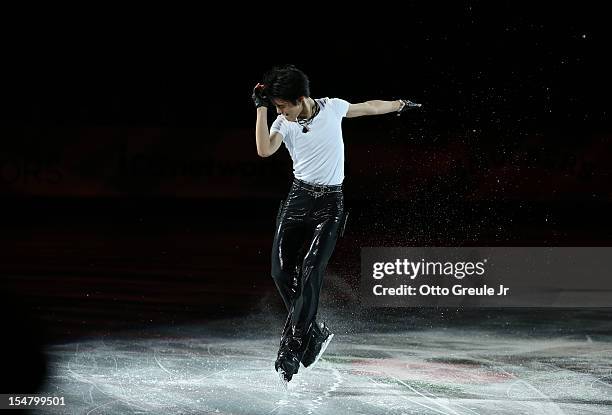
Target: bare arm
[375, 107]
[266, 144]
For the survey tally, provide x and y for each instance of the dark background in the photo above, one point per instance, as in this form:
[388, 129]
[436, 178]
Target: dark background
[132, 194]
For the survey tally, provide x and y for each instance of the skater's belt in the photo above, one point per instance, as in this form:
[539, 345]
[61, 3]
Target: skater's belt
[317, 188]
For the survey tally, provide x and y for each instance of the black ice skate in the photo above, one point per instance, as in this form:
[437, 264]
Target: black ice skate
[320, 338]
[288, 361]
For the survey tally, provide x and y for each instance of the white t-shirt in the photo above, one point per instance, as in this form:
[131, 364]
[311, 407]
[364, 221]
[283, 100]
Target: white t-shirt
[318, 155]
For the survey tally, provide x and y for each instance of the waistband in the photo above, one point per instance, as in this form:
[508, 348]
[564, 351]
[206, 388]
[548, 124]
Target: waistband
[317, 188]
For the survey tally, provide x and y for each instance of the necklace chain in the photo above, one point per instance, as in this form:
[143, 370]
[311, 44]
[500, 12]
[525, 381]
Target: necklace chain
[308, 121]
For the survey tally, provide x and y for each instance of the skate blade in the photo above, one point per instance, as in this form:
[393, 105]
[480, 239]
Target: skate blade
[282, 381]
[323, 347]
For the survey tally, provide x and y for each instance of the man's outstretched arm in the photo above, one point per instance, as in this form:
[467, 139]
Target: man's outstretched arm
[378, 107]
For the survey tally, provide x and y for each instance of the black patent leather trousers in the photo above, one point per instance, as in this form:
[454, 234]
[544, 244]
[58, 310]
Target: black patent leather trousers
[307, 227]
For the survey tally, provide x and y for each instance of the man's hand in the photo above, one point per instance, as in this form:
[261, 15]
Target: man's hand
[259, 96]
[405, 105]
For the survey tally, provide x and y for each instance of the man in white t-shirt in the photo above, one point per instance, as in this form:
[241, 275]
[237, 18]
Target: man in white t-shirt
[311, 217]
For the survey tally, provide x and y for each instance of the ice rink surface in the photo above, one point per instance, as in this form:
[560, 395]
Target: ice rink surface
[513, 363]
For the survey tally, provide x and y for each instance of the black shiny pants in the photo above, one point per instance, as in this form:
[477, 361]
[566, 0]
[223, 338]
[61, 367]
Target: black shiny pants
[307, 227]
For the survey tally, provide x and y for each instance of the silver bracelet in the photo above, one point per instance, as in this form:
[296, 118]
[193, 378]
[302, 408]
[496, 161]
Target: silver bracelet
[402, 105]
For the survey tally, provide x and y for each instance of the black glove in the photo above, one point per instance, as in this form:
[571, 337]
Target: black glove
[406, 105]
[260, 97]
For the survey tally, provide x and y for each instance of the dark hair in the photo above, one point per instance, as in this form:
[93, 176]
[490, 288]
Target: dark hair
[286, 82]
